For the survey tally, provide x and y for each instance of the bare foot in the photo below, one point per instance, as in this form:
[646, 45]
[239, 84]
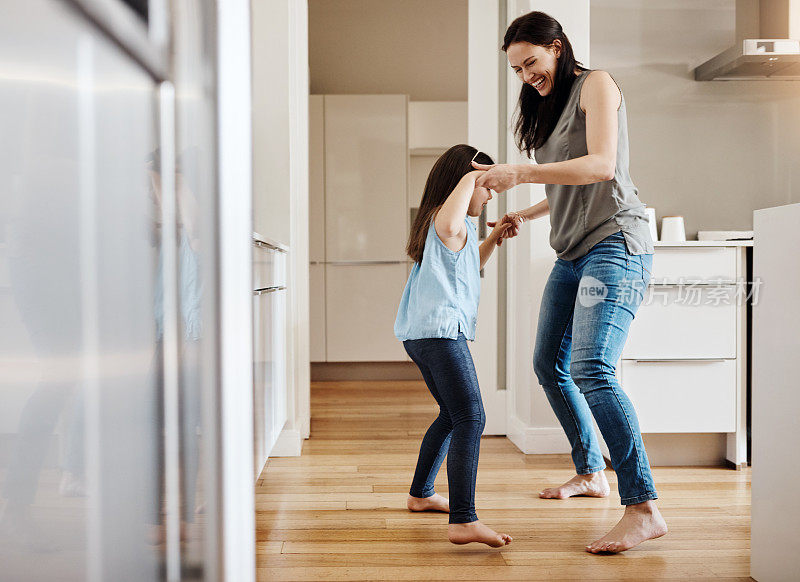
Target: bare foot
[591, 485]
[640, 523]
[433, 503]
[464, 533]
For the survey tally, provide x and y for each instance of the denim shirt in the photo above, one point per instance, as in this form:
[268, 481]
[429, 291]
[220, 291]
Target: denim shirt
[442, 292]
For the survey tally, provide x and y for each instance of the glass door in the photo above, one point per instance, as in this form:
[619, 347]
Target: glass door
[109, 423]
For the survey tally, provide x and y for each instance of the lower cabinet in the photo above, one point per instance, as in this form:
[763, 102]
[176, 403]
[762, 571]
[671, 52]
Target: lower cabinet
[361, 305]
[269, 356]
[316, 315]
[673, 396]
[684, 365]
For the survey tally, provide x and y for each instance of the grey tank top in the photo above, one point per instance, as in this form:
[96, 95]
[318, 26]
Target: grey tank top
[582, 216]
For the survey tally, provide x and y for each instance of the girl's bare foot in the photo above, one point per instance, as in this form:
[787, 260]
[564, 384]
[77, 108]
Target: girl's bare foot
[475, 531]
[591, 485]
[433, 503]
[640, 523]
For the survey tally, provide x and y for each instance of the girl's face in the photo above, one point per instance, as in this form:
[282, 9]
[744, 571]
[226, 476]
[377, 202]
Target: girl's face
[480, 196]
[535, 65]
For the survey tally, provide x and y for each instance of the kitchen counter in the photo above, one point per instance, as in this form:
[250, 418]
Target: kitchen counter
[704, 243]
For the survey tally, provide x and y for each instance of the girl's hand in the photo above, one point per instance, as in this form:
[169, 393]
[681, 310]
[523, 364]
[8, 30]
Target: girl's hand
[497, 177]
[499, 230]
[514, 221]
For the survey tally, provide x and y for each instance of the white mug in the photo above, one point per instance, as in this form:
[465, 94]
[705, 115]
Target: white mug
[673, 229]
[651, 218]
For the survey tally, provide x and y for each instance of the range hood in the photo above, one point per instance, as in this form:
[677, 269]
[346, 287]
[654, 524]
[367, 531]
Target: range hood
[767, 44]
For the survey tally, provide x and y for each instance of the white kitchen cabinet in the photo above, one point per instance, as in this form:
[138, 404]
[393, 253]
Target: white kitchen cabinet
[684, 321]
[270, 406]
[691, 262]
[684, 365]
[358, 225]
[316, 314]
[316, 179]
[366, 168]
[361, 305]
[673, 396]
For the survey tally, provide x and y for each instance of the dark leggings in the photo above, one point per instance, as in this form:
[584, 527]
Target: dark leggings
[449, 372]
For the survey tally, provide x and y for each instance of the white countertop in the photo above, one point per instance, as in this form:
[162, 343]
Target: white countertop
[705, 243]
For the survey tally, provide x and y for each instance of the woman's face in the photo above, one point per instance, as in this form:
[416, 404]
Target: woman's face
[480, 196]
[534, 64]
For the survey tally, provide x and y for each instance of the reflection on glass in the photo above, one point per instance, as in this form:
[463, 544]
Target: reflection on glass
[78, 348]
[196, 201]
[82, 423]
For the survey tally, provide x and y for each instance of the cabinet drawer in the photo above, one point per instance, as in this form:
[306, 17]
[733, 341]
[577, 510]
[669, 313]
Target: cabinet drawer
[685, 264]
[682, 396]
[684, 322]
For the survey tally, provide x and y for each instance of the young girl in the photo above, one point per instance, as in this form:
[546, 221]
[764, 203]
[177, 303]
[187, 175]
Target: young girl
[436, 317]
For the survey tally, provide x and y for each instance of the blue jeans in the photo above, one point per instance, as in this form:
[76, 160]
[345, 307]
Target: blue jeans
[449, 372]
[587, 308]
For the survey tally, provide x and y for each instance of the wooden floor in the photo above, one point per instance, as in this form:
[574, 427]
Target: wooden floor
[338, 511]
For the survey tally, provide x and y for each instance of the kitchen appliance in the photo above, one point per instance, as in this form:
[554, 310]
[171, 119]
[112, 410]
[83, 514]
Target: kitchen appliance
[673, 229]
[767, 44]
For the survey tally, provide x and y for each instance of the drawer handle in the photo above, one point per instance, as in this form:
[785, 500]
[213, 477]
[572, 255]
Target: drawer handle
[662, 360]
[264, 290]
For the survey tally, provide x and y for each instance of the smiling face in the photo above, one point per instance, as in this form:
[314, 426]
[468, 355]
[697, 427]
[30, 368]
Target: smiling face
[535, 65]
[480, 196]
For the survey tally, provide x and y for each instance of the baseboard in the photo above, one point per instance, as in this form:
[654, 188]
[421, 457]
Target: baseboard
[289, 444]
[516, 432]
[532, 440]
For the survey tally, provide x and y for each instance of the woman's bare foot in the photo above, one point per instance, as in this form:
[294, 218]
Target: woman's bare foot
[433, 503]
[475, 531]
[640, 523]
[591, 485]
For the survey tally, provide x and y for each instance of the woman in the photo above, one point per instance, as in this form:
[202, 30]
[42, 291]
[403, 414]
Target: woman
[574, 121]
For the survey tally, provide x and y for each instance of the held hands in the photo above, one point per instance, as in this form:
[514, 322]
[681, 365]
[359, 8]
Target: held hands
[506, 227]
[497, 177]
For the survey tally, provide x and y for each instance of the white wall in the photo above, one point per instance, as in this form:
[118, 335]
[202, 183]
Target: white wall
[386, 47]
[280, 181]
[271, 118]
[483, 111]
[711, 151]
[532, 425]
[235, 235]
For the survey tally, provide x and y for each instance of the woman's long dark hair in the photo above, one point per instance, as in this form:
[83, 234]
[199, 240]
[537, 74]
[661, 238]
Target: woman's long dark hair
[451, 166]
[537, 115]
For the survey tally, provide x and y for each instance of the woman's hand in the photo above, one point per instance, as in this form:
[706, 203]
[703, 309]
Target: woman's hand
[512, 221]
[497, 177]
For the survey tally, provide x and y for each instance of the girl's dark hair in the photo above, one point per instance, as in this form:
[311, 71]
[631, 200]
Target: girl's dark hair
[537, 115]
[451, 166]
